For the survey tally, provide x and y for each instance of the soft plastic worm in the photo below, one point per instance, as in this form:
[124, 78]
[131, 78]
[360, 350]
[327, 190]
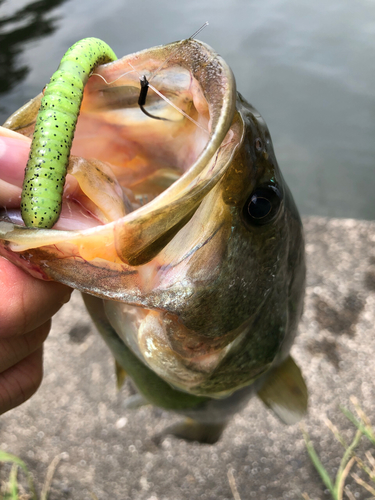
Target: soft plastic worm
[45, 172]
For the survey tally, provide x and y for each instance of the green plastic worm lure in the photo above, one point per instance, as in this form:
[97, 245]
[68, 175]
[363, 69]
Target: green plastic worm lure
[45, 172]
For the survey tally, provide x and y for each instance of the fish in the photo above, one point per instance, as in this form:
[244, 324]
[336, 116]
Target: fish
[180, 232]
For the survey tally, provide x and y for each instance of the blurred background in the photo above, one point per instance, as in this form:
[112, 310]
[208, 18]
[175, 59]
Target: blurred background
[308, 67]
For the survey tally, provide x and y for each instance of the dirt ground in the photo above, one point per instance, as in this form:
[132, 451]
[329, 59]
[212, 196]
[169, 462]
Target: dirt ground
[108, 451]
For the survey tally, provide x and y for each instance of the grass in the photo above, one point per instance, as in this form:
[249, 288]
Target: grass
[337, 486]
[13, 490]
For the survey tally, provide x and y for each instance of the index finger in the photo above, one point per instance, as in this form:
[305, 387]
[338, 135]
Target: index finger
[26, 302]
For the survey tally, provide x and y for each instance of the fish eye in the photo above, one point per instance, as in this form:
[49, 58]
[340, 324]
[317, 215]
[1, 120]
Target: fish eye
[258, 144]
[262, 206]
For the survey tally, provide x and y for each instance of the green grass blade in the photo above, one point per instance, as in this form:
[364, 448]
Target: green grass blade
[340, 477]
[363, 428]
[318, 464]
[13, 486]
[8, 457]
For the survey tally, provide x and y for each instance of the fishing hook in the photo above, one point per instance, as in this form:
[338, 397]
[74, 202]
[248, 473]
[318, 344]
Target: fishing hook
[142, 99]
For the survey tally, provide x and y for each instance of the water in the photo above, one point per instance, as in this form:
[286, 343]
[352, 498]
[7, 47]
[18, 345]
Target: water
[308, 67]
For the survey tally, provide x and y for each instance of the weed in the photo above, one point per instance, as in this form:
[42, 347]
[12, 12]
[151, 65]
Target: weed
[12, 490]
[337, 486]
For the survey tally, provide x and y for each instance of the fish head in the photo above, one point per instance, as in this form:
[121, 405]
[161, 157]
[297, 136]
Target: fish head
[226, 292]
[190, 234]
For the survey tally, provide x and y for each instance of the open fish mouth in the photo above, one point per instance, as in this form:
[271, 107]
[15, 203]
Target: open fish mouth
[137, 176]
[133, 183]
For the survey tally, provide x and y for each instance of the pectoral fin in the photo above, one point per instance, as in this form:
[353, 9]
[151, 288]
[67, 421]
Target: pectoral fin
[120, 375]
[285, 392]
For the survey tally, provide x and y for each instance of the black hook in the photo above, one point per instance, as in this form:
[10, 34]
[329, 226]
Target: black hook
[142, 99]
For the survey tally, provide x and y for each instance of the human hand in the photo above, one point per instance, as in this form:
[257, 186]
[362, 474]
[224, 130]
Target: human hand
[26, 303]
[26, 307]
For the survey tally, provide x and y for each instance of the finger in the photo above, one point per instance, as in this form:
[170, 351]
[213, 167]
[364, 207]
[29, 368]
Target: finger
[15, 349]
[17, 384]
[10, 195]
[13, 157]
[25, 302]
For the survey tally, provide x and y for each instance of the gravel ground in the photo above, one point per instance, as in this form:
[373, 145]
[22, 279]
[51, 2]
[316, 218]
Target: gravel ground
[108, 451]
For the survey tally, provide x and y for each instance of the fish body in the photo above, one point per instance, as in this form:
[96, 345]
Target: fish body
[193, 269]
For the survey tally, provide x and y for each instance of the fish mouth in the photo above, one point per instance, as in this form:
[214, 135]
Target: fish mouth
[143, 175]
[134, 183]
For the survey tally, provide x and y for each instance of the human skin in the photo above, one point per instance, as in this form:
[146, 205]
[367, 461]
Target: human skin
[26, 308]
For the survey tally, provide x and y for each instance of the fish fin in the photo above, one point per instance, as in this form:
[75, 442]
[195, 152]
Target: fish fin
[285, 392]
[191, 430]
[135, 401]
[120, 375]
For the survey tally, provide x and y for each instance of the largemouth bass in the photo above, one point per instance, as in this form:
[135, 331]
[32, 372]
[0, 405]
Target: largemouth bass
[179, 229]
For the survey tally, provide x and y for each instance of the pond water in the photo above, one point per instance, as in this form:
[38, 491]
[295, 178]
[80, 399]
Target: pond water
[306, 66]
